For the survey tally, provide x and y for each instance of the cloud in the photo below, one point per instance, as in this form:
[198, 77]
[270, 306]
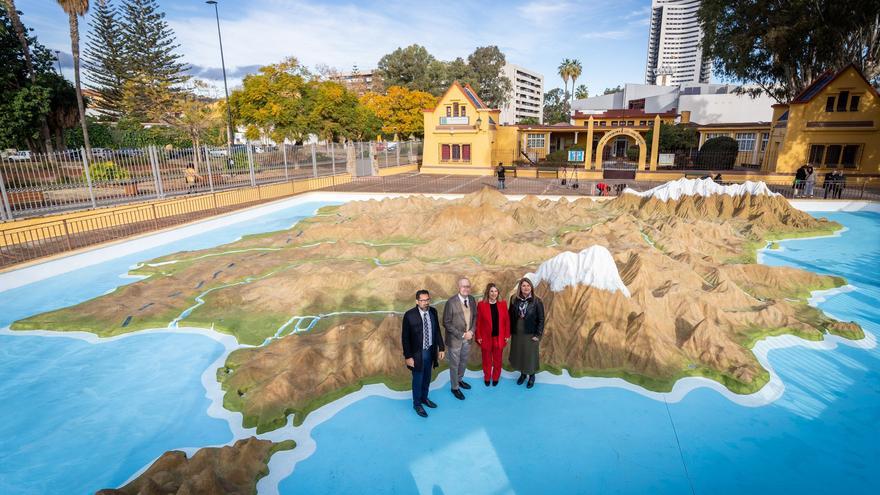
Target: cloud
[216, 73]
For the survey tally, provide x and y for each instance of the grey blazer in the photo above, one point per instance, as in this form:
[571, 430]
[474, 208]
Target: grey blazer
[453, 317]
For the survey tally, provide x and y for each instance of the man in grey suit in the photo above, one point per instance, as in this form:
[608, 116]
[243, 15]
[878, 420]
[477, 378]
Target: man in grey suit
[459, 318]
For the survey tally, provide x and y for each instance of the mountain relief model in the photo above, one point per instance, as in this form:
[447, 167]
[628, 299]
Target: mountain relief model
[650, 287]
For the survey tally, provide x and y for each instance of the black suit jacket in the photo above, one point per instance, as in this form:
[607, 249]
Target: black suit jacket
[534, 316]
[411, 337]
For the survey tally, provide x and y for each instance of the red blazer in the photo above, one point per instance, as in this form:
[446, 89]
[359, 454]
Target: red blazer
[484, 322]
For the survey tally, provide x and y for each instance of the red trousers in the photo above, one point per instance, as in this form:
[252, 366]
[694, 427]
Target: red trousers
[491, 359]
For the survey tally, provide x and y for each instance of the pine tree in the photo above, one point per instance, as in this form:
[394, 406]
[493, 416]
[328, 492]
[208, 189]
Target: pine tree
[154, 67]
[105, 61]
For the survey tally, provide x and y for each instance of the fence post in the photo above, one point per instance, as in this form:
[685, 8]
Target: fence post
[333, 156]
[5, 207]
[85, 160]
[397, 150]
[250, 157]
[284, 156]
[157, 177]
[210, 172]
[314, 161]
[386, 154]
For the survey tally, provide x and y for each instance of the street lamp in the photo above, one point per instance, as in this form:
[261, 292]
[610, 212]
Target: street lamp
[58, 59]
[479, 123]
[225, 87]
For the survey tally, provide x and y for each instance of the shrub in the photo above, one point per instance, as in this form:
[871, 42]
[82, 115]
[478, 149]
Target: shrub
[107, 171]
[632, 153]
[718, 152]
[562, 155]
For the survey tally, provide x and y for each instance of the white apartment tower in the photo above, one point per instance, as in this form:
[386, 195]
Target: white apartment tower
[675, 50]
[527, 98]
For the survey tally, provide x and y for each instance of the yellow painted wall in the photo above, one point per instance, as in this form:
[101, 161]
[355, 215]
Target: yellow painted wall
[32, 230]
[479, 138]
[795, 148]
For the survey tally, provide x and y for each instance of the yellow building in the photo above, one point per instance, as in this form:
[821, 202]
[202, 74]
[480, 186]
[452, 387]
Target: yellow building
[834, 123]
[462, 136]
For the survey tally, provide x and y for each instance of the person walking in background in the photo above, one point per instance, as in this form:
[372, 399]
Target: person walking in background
[799, 178]
[191, 177]
[459, 319]
[828, 184]
[500, 173]
[422, 348]
[493, 333]
[838, 183]
[809, 183]
[526, 329]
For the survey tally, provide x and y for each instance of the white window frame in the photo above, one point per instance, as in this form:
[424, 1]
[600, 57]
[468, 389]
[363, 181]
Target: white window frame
[745, 141]
[535, 141]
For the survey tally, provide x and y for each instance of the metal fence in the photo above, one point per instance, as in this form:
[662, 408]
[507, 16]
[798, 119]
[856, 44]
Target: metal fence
[74, 180]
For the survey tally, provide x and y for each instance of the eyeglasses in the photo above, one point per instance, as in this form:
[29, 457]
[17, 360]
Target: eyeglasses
[424, 300]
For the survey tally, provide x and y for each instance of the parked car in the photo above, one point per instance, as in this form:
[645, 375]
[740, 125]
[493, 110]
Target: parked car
[102, 153]
[129, 152]
[20, 156]
[218, 152]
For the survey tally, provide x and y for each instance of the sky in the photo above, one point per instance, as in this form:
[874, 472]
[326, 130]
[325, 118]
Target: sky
[609, 37]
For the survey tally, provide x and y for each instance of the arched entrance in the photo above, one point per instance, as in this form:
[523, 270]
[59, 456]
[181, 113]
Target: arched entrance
[635, 136]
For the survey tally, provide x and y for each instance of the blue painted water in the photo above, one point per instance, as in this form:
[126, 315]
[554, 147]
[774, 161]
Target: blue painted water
[822, 436]
[78, 416]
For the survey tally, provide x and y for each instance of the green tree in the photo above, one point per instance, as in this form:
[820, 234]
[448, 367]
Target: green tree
[616, 89]
[153, 66]
[74, 10]
[333, 111]
[555, 107]
[674, 137]
[529, 121]
[574, 71]
[582, 92]
[410, 67]
[487, 69]
[781, 47]
[21, 34]
[275, 100]
[564, 71]
[105, 60]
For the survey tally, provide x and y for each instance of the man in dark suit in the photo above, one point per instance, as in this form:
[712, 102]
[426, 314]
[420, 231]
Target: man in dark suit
[423, 348]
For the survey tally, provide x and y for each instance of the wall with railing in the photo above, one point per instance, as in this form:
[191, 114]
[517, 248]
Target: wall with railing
[40, 184]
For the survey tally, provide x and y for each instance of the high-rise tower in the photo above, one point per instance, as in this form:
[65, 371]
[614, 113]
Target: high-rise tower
[675, 44]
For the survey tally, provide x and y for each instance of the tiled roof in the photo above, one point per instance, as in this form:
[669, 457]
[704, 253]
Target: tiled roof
[824, 80]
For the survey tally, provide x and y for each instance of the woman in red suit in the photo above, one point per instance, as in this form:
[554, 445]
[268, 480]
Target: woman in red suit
[493, 333]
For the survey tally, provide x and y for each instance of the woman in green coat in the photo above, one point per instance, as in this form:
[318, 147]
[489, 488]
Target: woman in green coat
[526, 312]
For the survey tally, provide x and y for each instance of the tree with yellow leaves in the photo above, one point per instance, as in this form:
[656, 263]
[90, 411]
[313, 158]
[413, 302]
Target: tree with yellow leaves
[400, 109]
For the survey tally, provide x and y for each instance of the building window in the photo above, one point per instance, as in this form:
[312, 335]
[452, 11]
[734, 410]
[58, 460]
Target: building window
[854, 103]
[455, 109]
[630, 123]
[816, 153]
[832, 155]
[765, 137]
[466, 152]
[534, 140]
[650, 123]
[613, 123]
[841, 101]
[456, 152]
[448, 111]
[461, 111]
[850, 154]
[642, 123]
[746, 141]
[444, 152]
[829, 104]
[602, 123]
[712, 135]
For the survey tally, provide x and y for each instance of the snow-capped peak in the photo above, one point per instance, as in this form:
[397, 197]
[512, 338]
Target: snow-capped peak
[593, 266]
[702, 187]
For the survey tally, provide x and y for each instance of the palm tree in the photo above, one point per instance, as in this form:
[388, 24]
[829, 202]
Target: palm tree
[28, 63]
[575, 71]
[75, 9]
[565, 73]
[582, 92]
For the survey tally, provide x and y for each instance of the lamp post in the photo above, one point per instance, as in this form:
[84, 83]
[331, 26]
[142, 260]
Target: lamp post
[58, 59]
[225, 87]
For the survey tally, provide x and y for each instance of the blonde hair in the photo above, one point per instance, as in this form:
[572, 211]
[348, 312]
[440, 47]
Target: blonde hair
[489, 287]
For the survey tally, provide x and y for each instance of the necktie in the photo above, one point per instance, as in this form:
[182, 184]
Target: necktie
[425, 331]
[465, 303]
